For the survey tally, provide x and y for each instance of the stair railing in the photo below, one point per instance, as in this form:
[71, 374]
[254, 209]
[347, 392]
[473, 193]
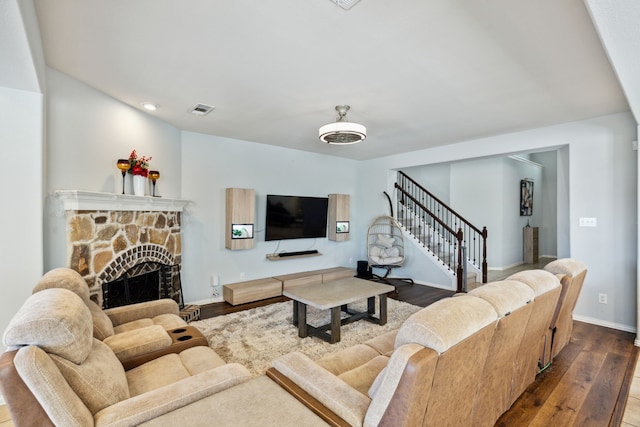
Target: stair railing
[437, 221]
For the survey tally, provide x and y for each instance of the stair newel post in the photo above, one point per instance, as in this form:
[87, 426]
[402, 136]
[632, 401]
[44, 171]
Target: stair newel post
[485, 267]
[459, 272]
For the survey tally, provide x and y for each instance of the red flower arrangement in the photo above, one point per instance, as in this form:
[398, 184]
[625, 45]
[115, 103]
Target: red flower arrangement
[139, 166]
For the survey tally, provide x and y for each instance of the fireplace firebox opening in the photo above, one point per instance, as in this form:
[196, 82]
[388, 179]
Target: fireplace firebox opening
[146, 281]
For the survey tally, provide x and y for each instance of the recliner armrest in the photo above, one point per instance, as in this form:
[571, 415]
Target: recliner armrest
[127, 345]
[142, 310]
[338, 396]
[155, 403]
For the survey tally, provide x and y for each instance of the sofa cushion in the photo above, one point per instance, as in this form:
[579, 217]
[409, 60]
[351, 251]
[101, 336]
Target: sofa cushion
[347, 359]
[505, 296]
[568, 266]
[384, 343]
[199, 359]
[55, 320]
[361, 377]
[445, 323]
[138, 341]
[64, 278]
[99, 380]
[540, 281]
[102, 326]
[155, 374]
[130, 326]
[385, 241]
[168, 321]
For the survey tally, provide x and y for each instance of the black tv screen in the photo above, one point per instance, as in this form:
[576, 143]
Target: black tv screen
[296, 217]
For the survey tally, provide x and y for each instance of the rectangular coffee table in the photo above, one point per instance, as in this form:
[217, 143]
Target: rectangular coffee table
[335, 295]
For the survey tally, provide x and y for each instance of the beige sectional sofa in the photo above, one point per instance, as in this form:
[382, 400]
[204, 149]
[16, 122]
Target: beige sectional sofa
[461, 361]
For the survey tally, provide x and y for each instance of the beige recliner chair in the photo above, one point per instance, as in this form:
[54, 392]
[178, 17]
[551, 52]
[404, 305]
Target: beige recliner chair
[573, 274]
[136, 332]
[56, 373]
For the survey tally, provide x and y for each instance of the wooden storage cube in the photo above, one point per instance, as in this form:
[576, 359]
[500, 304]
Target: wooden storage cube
[251, 290]
[338, 212]
[240, 204]
[296, 279]
[530, 245]
[337, 273]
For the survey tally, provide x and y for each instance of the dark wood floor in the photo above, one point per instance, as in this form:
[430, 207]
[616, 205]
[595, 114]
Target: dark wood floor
[587, 384]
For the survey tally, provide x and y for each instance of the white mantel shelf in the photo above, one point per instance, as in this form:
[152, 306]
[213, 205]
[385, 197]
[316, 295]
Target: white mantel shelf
[77, 200]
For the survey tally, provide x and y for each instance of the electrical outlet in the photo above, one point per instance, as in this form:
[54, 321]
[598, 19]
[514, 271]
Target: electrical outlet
[242, 275]
[602, 298]
[350, 261]
[216, 291]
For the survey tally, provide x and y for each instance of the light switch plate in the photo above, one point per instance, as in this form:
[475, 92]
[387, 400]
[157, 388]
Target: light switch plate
[588, 222]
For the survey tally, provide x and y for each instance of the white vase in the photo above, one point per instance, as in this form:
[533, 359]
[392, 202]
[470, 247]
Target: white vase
[139, 184]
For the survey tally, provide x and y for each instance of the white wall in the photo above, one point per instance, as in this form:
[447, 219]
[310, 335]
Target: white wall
[212, 164]
[601, 183]
[548, 192]
[88, 132]
[21, 128]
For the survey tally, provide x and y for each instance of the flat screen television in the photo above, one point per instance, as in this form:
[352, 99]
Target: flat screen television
[296, 217]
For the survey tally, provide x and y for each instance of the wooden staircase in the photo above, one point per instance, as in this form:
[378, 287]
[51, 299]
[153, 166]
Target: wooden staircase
[458, 244]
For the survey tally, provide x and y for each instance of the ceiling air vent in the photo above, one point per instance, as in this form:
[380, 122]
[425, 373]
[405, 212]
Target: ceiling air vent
[345, 4]
[202, 109]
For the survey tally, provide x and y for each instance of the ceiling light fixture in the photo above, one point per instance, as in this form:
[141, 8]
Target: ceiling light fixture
[342, 132]
[149, 106]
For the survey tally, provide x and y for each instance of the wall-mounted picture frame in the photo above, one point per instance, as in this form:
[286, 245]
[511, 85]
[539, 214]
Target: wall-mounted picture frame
[342, 226]
[242, 231]
[526, 197]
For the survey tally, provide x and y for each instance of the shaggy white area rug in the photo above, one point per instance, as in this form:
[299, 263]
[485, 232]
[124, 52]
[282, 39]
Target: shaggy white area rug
[257, 336]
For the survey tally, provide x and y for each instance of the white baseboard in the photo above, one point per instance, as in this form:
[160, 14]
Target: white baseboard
[612, 325]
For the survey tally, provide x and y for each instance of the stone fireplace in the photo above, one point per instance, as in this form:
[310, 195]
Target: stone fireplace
[121, 243]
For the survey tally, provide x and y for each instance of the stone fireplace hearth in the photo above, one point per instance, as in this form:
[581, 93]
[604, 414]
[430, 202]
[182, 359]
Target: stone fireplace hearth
[109, 235]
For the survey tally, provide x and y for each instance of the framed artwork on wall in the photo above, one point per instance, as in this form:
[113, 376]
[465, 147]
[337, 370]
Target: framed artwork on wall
[342, 226]
[526, 197]
[242, 231]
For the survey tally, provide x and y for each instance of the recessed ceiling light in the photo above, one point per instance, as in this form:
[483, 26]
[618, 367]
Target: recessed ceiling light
[149, 106]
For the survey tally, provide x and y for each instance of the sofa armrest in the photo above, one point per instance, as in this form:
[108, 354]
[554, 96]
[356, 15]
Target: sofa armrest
[142, 310]
[147, 406]
[338, 396]
[138, 341]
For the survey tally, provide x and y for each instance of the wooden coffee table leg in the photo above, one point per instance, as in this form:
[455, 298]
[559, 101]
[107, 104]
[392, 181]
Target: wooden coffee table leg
[371, 305]
[383, 309]
[295, 313]
[335, 325]
[302, 319]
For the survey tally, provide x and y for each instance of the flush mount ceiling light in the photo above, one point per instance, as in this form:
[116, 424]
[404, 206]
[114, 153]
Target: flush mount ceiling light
[342, 132]
[149, 106]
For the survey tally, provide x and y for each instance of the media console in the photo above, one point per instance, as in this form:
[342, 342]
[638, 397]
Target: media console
[254, 290]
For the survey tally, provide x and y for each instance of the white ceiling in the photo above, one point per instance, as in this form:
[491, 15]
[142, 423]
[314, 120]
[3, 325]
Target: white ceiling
[417, 73]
